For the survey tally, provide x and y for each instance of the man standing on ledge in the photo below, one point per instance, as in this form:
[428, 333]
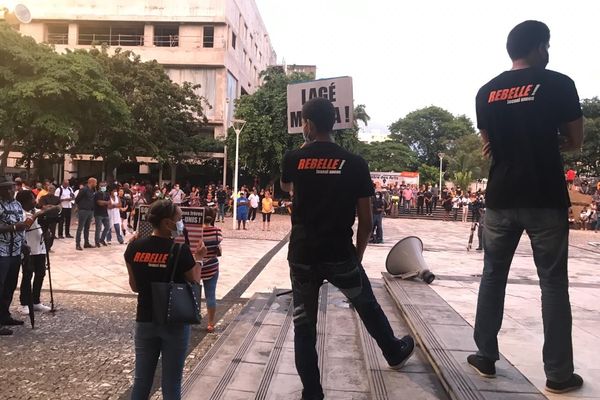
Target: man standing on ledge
[320, 174]
[527, 116]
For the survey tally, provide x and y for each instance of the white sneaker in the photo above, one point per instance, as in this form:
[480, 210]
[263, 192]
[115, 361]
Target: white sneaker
[41, 307]
[24, 310]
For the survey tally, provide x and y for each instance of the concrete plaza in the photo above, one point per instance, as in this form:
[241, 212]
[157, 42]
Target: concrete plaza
[100, 273]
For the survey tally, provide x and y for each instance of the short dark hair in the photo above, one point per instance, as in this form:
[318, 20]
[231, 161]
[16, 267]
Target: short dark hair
[24, 195]
[160, 210]
[321, 112]
[526, 37]
[209, 215]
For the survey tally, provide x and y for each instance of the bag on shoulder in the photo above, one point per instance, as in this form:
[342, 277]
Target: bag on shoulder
[175, 303]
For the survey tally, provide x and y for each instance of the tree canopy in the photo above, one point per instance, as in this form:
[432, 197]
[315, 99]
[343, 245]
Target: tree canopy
[587, 161]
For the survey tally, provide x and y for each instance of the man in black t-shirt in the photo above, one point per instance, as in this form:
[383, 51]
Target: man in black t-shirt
[378, 208]
[331, 186]
[101, 206]
[526, 117]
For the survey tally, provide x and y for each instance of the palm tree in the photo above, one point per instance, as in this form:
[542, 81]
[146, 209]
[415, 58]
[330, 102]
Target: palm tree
[360, 114]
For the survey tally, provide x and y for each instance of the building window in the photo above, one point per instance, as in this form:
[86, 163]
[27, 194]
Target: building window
[114, 34]
[58, 33]
[209, 36]
[233, 40]
[245, 58]
[166, 35]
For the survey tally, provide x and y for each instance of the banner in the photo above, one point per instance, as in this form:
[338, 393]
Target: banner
[193, 219]
[337, 90]
[392, 179]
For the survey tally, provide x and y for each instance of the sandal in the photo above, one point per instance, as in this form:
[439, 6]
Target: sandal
[210, 328]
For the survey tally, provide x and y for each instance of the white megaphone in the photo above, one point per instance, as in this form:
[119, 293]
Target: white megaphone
[406, 261]
[19, 14]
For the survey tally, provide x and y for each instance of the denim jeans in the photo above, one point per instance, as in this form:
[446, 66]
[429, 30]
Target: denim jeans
[377, 227]
[117, 232]
[548, 230]
[84, 222]
[36, 270]
[349, 276]
[210, 290]
[102, 228]
[9, 275]
[170, 342]
[221, 212]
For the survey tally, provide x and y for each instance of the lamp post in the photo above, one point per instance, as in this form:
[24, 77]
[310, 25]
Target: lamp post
[441, 156]
[238, 126]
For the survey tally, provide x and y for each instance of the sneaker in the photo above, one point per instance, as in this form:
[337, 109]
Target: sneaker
[483, 366]
[98, 245]
[88, 246]
[69, 237]
[104, 243]
[407, 348]
[573, 383]
[23, 310]
[41, 307]
[60, 237]
[5, 332]
[78, 248]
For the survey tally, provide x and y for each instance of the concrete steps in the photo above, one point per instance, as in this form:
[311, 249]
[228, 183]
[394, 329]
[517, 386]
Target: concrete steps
[254, 357]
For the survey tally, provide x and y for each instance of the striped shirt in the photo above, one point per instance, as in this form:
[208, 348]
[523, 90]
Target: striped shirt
[212, 239]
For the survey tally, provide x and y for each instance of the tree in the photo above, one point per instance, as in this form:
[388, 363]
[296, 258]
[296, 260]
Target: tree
[466, 155]
[429, 131]
[463, 179]
[389, 156]
[588, 160]
[428, 175]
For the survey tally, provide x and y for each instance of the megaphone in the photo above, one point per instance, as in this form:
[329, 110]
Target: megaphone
[17, 15]
[405, 260]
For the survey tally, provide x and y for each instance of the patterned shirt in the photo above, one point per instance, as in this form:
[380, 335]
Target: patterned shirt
[11, 213]
[212, 239]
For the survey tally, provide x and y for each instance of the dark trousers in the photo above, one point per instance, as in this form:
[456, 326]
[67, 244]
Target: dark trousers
[151, 341]
[349, 276]
[35, 269]
[548, 230]
[64, 223]
[252, 214]
[435, 202]
[429, 207]
[9, 275]
[420, 209]
[378, 227]
[85, 220]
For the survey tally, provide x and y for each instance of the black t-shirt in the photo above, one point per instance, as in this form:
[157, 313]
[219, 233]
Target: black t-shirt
[378, 205]
[521, 111]
[148, 259]
[221, 197]
[328, 181]
[101, 211]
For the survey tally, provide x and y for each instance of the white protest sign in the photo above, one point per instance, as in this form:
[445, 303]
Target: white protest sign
[337, 90]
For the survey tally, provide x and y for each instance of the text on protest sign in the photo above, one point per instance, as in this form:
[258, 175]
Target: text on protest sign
[336, 90]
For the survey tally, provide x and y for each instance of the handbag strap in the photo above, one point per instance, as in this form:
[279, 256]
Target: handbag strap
[176, 260]
[169, 259]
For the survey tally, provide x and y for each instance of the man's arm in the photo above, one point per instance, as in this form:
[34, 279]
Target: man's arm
[572, 134]
[286, 186]
[365, 225]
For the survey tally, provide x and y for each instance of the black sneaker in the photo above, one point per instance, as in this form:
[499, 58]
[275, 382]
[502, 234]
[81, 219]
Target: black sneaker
[88, 246]
[574, 383]
[5, 332]
[78, 247]
[483, 366]
[407, 348]
[103, 243]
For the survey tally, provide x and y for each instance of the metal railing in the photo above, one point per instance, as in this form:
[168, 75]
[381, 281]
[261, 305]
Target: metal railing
[166, 41]
[58, 38]
[110, 39]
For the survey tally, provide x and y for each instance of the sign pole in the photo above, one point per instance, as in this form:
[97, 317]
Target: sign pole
[238, 126]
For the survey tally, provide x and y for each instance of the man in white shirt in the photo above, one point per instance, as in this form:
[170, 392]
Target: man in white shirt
[254, 200]
[67, 196]
[177, 195]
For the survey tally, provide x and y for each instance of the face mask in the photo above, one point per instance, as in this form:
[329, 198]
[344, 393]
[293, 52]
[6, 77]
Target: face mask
[103, 188]
[179, 228]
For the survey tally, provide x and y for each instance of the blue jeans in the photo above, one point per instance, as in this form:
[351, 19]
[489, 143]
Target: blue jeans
[102, 228]
[170, 342]
[84, 222]
[118, 233]
[548, 230]
[349, 276]
[210, 290]
[377, 227]
[221, 212]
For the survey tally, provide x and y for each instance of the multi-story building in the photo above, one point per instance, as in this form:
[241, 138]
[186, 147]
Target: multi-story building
[223, 45]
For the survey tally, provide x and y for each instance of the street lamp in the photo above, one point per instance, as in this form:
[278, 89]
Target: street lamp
[238, 125]
[14, 16]
[441, 156]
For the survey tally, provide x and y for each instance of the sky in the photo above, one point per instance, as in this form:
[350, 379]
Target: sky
[405, 55]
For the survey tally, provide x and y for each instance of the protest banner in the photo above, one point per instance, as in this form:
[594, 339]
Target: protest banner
[193, 219]
[336, 90]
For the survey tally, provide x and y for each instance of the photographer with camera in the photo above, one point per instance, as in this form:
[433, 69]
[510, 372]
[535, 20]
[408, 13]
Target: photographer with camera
[12, 236]
[34, 264]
